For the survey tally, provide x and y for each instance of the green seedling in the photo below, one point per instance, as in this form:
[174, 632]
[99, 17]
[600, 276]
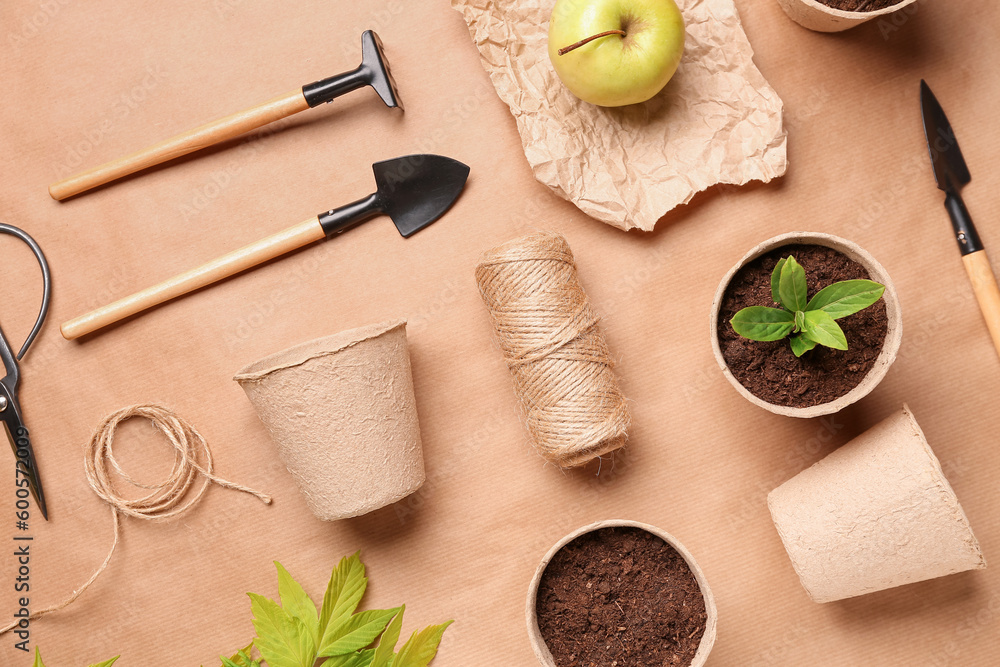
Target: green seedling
[806, 322]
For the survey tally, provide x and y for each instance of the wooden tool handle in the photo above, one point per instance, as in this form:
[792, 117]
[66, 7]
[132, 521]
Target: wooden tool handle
[214, 271]
[984, 284]
[182, 144]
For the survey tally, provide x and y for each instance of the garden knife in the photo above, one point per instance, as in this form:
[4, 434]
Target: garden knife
[952, 174]
[373, 71]
[413, 190]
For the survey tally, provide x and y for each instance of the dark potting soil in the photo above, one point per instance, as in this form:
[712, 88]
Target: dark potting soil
[860, 5]
[769, 370]
[623, 597]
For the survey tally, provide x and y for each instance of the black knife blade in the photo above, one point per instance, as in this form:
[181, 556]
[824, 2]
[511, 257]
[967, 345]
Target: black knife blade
[950, 170]
[952, 174]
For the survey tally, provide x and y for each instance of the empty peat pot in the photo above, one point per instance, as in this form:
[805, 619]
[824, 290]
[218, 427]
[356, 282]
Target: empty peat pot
[620, 592]
[874, 514]
[823, 380]
[342, 414]
[823, 18]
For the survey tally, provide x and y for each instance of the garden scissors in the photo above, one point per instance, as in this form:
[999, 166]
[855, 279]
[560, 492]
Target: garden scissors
[10, 407]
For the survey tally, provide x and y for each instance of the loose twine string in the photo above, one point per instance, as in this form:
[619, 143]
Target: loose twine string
[548, 332]
[167, 497]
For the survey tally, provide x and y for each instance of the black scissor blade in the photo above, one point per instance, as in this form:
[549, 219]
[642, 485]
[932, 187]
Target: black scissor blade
[950, 170]
[20, 444]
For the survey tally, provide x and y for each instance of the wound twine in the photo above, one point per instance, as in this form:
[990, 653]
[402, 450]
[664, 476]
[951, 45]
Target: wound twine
[548, 332]
[167, 497]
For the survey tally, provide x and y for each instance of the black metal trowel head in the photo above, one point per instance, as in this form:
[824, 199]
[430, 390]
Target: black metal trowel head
[416, 190]
[413, 190]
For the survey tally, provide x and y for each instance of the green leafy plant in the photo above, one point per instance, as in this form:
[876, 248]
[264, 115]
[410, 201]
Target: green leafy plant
[297, 633]
[806, 322]
[38, 661]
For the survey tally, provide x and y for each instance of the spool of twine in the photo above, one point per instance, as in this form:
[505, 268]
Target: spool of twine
[548, 332]
[167, 498]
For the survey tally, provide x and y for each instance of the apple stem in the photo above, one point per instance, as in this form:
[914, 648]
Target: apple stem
[566, 49]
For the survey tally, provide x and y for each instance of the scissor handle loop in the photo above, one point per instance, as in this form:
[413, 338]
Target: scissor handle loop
[46, 281]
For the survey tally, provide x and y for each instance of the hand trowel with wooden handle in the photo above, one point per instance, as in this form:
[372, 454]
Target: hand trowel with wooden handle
[373, 71]
[414, 191]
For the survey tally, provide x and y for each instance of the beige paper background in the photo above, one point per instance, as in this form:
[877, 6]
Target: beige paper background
[701, 459]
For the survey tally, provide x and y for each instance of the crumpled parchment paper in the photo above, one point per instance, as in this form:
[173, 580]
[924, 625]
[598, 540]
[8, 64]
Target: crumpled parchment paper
[717, 121]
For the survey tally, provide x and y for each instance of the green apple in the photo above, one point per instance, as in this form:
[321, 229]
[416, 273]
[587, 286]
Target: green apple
[629, 49]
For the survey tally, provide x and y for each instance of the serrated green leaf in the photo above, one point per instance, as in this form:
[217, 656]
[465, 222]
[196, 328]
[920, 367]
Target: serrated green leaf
[360, 659]
[356, 632]
[800, 344]
[106, 663]
[386, 646]
[38, 659]
[775, 279]
[846, 297]
[343, 594]
[761, 323]
[422, 646]
[792, 289]
[295, 601]
[242, 658]
[282, 639]
[822, 328]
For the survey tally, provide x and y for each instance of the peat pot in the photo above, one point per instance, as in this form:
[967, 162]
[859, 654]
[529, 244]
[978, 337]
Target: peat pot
[879, 361]
[637, 537]
[342, 414]
[874, 514]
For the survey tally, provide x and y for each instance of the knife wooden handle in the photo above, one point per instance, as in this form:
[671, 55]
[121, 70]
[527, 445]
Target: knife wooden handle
[182, 144]
[239, 260]
[984, 284]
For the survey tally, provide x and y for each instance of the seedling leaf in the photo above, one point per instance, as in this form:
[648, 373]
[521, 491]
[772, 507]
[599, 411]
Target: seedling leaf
[106, 663]
[356, 632]
[792, 288]
[38, 659]
[800, 344]
[761, 323]
[822, 328]
[776, 279]
[343, 593]
[282, 639]
[422, 646]
[295, 601]
[846, 297]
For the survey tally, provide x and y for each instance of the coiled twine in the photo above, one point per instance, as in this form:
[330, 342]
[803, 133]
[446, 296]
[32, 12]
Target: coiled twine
[548, 332]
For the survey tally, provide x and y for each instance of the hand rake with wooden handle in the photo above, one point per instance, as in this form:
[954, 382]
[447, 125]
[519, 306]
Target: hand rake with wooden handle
[373, 71]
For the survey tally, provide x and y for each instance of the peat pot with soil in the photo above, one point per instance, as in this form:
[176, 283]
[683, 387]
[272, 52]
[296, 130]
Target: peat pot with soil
[806, 324]
[838, 15]
[620, 593]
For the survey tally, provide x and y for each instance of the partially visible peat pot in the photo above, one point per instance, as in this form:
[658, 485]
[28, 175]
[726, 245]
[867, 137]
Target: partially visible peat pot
[823, 380]
[837, 15]
[620, 593]
[860, 5]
